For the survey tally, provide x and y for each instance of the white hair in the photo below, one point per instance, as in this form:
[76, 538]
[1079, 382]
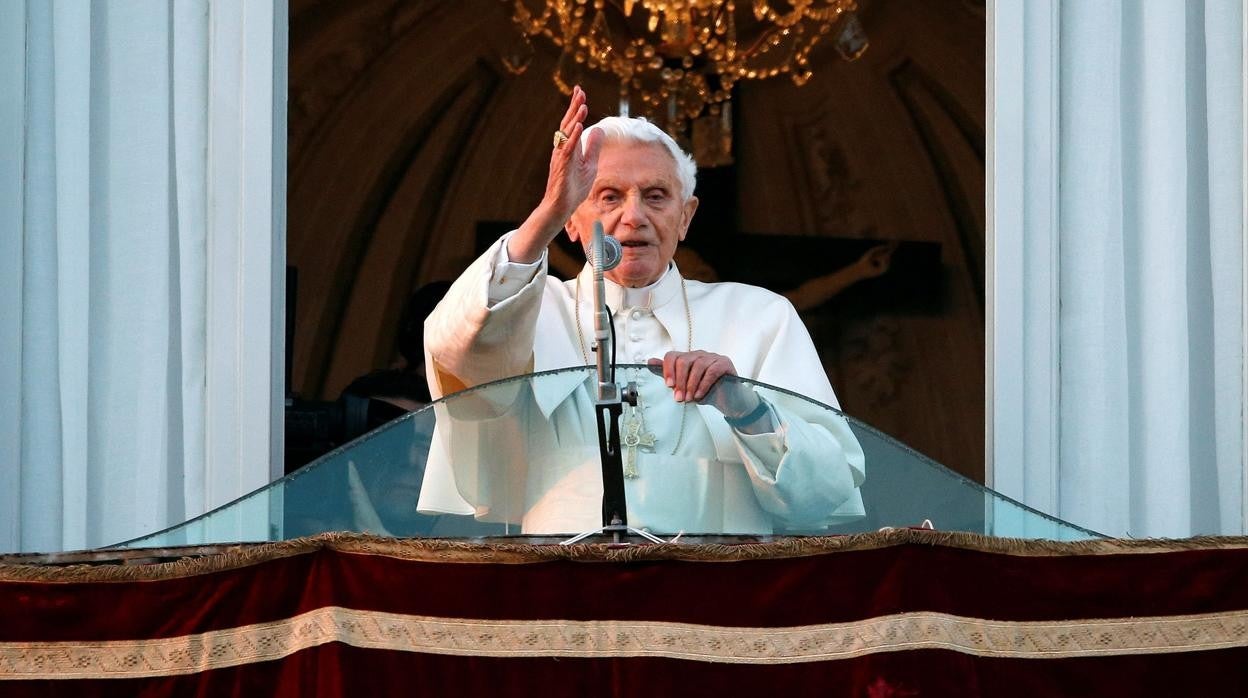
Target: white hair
[624, 129]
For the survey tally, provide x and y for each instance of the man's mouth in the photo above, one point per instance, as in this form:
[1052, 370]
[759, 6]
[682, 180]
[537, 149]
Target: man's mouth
[633, 243]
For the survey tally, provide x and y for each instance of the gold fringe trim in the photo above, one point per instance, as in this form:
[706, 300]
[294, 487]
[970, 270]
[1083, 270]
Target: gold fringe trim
[607, 639]
[208, 559]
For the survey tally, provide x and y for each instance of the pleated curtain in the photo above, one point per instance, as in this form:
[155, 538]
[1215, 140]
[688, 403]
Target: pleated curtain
[1126, 414]
[117, 259]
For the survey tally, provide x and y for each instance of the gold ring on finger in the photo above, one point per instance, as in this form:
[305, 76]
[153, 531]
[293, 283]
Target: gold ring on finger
[560, 138]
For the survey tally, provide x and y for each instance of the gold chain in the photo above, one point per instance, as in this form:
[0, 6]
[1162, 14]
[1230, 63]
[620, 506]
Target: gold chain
[580, 343]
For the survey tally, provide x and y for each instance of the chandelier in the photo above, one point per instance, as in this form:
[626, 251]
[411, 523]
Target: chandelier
[676, 61]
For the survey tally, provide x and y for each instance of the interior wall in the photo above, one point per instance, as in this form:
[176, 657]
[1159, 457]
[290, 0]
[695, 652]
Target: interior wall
[406, 131]
[889, 147]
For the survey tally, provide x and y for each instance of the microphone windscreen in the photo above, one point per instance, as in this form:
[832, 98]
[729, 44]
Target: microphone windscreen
[612, 253]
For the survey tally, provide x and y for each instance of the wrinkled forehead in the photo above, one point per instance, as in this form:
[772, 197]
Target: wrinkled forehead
[636, 163]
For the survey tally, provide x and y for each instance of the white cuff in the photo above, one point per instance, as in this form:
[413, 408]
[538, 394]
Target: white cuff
[510, 277]
[769, 447]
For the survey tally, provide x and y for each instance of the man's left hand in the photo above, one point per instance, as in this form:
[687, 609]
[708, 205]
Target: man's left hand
[690, 374]
[694, 376]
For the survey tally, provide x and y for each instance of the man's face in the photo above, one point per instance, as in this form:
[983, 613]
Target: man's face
[637, 197]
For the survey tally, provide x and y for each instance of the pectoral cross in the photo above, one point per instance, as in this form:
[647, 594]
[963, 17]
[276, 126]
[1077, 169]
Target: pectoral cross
[635, 436]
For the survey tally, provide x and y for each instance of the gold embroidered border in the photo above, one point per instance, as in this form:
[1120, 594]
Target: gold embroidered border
[207, 559]
[598, 639]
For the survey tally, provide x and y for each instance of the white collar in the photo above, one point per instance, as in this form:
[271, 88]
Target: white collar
[620, 297]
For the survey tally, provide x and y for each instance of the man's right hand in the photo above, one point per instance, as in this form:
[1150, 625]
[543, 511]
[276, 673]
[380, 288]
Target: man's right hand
[567, 185]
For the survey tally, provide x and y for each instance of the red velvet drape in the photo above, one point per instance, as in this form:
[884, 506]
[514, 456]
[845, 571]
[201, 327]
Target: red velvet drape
[850, 621]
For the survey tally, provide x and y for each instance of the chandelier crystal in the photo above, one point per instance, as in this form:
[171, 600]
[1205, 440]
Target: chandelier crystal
[677, 60]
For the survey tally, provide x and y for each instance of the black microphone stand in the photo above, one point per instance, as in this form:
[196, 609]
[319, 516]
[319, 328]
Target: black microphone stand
[608, 406]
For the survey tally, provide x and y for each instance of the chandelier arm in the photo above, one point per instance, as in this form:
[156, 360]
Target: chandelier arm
[682, 70]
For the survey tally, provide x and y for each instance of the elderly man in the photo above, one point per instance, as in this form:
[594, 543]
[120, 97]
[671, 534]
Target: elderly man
[721, 460]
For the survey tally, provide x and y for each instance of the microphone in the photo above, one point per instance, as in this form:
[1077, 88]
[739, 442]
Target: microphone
[612, 251]
[600, 255]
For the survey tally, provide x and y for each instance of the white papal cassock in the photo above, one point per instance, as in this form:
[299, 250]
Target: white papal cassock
[527, 452]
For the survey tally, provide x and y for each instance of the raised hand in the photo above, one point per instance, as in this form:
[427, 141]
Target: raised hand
[572, 173]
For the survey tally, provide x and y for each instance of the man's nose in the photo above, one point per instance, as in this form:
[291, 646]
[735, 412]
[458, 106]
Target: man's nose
[631, 212]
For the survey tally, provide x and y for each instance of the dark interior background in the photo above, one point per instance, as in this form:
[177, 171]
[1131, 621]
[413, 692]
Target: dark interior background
[409, 141]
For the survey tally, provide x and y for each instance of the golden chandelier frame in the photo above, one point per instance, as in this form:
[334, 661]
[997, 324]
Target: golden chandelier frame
[677, 60]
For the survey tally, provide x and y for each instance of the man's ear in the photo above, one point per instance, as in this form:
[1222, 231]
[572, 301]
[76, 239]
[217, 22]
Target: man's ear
[571, 229]
[686, 216]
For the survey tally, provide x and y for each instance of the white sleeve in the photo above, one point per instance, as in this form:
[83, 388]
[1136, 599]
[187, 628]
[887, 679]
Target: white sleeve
[471, 337]
[808, 471]
[509, 278]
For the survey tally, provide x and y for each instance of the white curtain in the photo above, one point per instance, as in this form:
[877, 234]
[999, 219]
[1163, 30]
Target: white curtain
[1138, 428]
[109, 325]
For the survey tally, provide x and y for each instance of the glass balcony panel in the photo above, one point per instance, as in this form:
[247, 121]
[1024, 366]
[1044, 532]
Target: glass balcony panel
[521, 457]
